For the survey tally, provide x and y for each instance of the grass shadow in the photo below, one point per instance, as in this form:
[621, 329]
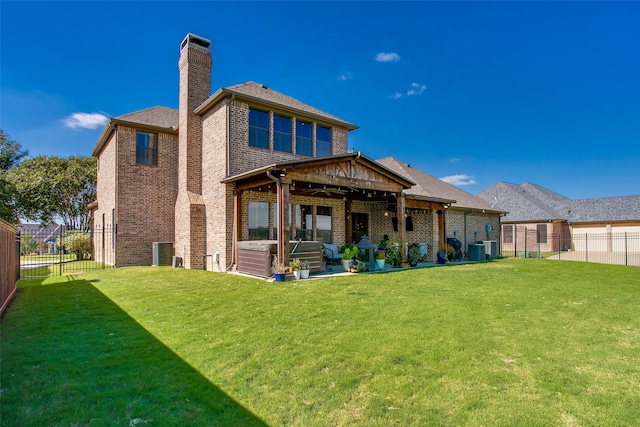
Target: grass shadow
[70, 353]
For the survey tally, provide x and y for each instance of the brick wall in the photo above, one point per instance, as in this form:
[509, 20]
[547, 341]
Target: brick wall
[106, 197]
[475, 226]
[146, 197]
[244, 157]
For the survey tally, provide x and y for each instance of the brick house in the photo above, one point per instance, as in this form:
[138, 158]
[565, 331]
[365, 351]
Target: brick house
[540, 219]
[245, 163]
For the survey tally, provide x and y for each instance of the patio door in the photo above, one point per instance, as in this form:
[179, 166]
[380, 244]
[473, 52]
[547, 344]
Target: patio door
[359, 226]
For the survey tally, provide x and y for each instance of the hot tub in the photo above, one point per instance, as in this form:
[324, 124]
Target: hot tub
[256, 256]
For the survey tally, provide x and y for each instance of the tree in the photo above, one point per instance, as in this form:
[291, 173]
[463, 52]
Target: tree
[76, 242]
[27, 243]
[11, 153]
[53, 186]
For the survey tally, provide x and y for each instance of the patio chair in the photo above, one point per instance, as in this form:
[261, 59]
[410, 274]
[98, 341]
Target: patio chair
[331, 253]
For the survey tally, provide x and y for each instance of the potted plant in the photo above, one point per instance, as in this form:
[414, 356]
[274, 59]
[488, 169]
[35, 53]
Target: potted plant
[380, 260]
[414, 254]
[296, 265]
[393, 255]
[279, 270]
[349, 252]
[383, 245]
[443, 252]
[305, 267]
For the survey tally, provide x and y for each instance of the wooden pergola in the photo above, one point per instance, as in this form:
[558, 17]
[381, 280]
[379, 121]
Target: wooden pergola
[349, 177]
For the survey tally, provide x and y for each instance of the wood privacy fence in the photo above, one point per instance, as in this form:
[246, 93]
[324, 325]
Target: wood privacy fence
[9, 263]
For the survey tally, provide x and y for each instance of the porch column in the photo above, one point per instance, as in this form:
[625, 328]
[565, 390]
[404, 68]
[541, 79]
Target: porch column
[402, 228]
[441, 227]
[282, 193]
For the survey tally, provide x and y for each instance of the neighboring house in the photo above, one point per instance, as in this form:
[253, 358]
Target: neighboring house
[554, 222]
[44, 236]
[246, 163]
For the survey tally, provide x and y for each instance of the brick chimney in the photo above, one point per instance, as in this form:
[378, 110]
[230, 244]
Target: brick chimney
[195, 87]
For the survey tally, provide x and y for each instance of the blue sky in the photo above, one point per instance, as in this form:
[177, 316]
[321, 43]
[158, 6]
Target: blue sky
[474, 92]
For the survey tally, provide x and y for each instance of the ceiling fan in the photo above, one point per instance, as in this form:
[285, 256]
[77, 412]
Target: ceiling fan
[326, 191]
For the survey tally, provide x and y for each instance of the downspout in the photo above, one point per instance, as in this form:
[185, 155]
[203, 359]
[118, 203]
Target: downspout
[466, 245]
[114, 218]
[227, 172]
[279, 219]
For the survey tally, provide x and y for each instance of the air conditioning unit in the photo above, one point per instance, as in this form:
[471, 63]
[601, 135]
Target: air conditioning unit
[162, 253]
[491, 248]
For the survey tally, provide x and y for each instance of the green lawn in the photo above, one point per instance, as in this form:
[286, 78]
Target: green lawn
[512, 342]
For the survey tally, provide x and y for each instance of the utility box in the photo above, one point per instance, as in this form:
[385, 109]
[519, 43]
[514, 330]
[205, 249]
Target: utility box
[162, 253]
[490, 248]
[476, 252]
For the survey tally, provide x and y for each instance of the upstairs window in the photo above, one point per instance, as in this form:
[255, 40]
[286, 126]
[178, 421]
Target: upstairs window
[146, 148]
[323, 141]
[303, 138]
[282, 133]
[258, 129]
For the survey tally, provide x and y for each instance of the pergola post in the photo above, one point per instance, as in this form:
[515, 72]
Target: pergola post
[402, 228]
[282, 197]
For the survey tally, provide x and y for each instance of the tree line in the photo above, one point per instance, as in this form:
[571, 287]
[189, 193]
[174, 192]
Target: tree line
[44, 188]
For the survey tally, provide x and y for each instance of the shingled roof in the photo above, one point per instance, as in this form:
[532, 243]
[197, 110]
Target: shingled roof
[159, 116]
[532, 203]
[431, 187]
[261, 94]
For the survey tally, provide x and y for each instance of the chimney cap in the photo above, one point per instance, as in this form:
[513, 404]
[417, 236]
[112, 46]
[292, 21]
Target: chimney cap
[195, 39]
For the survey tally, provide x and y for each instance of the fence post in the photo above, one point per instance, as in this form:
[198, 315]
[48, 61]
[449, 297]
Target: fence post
[586, 247]
[61, 250]
[626, 249]
[18, 253]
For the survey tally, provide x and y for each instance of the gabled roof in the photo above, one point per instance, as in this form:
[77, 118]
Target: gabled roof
[382, 169]
[261, 94]
[433, 188]
[522, 205]
[159, 118]
[532, 203]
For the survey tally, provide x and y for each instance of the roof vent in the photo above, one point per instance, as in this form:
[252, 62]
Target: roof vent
[264, 87]
[194, 39]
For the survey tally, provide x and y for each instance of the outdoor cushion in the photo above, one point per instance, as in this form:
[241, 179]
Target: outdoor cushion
[331, 251]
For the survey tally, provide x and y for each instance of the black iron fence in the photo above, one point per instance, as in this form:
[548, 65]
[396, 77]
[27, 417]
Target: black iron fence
[64, 252]
[609, 248]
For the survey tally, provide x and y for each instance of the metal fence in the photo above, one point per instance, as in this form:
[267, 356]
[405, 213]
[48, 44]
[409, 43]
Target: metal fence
[606, 248]
[63, 252]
